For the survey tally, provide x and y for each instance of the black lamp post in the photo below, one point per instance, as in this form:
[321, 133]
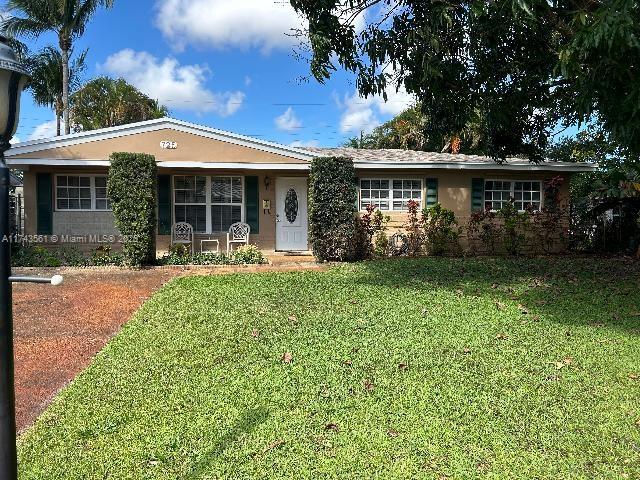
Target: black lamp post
[13, 78]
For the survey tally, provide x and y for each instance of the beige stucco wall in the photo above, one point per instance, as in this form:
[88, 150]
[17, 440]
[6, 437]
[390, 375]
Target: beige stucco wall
[454, 193]
[191, 148]
[454, 186]
[101, 223]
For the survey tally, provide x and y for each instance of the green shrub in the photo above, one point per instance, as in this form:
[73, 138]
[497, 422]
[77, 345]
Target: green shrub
[249, 254]
[132, 191]
[483, 231]
[104, 256]
[514, 226]
[34, 256]
[375, 224]
[441, 231]
[335, 229]
[39, 256]
[181, 255]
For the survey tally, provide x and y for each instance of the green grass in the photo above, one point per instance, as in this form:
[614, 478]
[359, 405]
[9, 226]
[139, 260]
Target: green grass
[401, 369]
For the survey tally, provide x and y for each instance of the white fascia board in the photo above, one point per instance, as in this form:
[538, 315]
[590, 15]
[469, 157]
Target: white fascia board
[236, 166]
[24, 162]
[476, 166]
[155, 125]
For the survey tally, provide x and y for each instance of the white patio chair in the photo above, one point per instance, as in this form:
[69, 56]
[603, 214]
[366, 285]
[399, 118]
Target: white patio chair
[238, 233]
[182, 233]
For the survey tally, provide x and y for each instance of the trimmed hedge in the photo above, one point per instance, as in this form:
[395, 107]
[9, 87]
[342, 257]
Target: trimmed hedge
[132, 190]
[335, 229]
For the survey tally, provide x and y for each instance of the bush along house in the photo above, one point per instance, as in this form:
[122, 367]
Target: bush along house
[212, 179]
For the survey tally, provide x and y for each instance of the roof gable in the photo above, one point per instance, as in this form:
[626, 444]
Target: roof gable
[198, 144]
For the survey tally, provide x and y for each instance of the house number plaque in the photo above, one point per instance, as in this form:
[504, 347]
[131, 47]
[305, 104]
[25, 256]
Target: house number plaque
[168, 145]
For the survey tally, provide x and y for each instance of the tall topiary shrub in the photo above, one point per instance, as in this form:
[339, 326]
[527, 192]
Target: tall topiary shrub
[335, 229]
[132, 191]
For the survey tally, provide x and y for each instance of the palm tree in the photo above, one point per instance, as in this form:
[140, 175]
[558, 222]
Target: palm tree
[67, 18]
[104, 102]
[46, 83]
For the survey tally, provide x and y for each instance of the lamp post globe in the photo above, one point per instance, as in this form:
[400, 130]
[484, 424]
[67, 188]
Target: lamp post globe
[13, 78]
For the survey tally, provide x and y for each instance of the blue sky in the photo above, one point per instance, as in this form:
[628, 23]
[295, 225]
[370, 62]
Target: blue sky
[222, 63]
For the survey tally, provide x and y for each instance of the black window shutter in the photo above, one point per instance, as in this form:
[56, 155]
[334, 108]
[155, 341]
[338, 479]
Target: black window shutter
[432, 191]
[164, 205]
[251, 203]
[477, 194]
[44, 202]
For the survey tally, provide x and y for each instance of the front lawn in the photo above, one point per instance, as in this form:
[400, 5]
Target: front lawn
[437, 368]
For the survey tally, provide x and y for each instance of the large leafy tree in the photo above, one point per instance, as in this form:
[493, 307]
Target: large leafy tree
[618, 173]
[615, 185]
[519, 66]
[106, 102]
[407, 131]
[46, 82]
[66, 18]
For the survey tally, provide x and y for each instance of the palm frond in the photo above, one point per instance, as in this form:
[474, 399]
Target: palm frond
[27, 27]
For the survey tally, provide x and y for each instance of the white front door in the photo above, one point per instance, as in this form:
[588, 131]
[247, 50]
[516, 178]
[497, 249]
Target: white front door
[291, 214]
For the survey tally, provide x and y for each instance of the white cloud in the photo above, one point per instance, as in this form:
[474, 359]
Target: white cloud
[181, 87]
[15, 140]
[363, 114]
[288, 121]
[305, 143]
[45, 130]
[224, 23]
[261, 24]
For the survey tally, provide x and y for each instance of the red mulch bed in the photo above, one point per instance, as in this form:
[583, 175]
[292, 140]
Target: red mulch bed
[58, 330]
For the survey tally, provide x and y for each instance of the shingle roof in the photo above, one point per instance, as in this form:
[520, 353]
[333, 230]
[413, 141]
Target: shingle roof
[405, 156]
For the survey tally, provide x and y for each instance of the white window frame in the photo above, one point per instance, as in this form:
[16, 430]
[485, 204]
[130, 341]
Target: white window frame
[391, 190]
[512, 191]
[92, 188]
[209, 203]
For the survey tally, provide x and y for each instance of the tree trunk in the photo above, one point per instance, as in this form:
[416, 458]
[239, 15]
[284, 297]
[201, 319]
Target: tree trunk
[65, 45]
[57, 124]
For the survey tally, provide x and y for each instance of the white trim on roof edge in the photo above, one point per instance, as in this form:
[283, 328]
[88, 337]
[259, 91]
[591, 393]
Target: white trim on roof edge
[154, 125]
[557, 167]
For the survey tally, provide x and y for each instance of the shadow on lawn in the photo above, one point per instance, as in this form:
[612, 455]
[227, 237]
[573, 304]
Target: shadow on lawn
[575, 291]
[246, 424]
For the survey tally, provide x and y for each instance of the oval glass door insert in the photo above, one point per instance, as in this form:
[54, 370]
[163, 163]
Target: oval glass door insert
[291, 205]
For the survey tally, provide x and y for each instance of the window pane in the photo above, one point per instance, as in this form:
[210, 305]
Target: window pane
[196, 215]
[101, 204]
[101, 182]
[365, 184]
[236, 192]
[63, 204]
[223, 216]
[221, 190]
[74, 204]
[190, 189]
